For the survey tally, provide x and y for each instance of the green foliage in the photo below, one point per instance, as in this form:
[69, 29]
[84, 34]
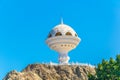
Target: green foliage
[107, 70]
[92, 77]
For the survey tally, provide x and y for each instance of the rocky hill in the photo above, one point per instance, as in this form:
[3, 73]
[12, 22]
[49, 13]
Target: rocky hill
[51, 72]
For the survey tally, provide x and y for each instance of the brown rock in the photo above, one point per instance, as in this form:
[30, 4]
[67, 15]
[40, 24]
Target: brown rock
[51, 72]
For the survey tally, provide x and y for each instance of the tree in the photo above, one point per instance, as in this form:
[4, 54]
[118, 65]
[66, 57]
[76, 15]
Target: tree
[107, 70]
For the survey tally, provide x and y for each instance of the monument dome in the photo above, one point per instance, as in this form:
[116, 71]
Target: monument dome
[63, 30]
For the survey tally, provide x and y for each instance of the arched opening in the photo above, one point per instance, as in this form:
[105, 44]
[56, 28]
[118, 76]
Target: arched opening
[58, 34]
[68, 34]
[49, 35]
[76, 35]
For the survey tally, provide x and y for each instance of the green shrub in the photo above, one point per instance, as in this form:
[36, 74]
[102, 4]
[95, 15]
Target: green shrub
[107, 70]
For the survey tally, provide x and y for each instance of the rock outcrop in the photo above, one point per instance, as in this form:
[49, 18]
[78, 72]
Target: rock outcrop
[51, 72]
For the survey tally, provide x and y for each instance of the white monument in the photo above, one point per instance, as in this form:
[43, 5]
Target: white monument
[63, 39]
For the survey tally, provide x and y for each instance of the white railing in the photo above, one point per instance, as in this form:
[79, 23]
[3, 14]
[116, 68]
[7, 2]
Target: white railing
[72, 63]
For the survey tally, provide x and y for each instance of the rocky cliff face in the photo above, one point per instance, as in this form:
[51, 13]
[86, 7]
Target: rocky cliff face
[51, 72]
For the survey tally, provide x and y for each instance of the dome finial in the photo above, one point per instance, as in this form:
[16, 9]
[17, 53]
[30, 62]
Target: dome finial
[61, 20]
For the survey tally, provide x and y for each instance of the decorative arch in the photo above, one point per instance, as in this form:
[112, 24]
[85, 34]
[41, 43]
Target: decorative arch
[68, 34]
[58, 34]
[50, 35]
[76, 35]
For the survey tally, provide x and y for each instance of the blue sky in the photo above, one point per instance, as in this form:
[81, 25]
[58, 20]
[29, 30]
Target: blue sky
[25, 24]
